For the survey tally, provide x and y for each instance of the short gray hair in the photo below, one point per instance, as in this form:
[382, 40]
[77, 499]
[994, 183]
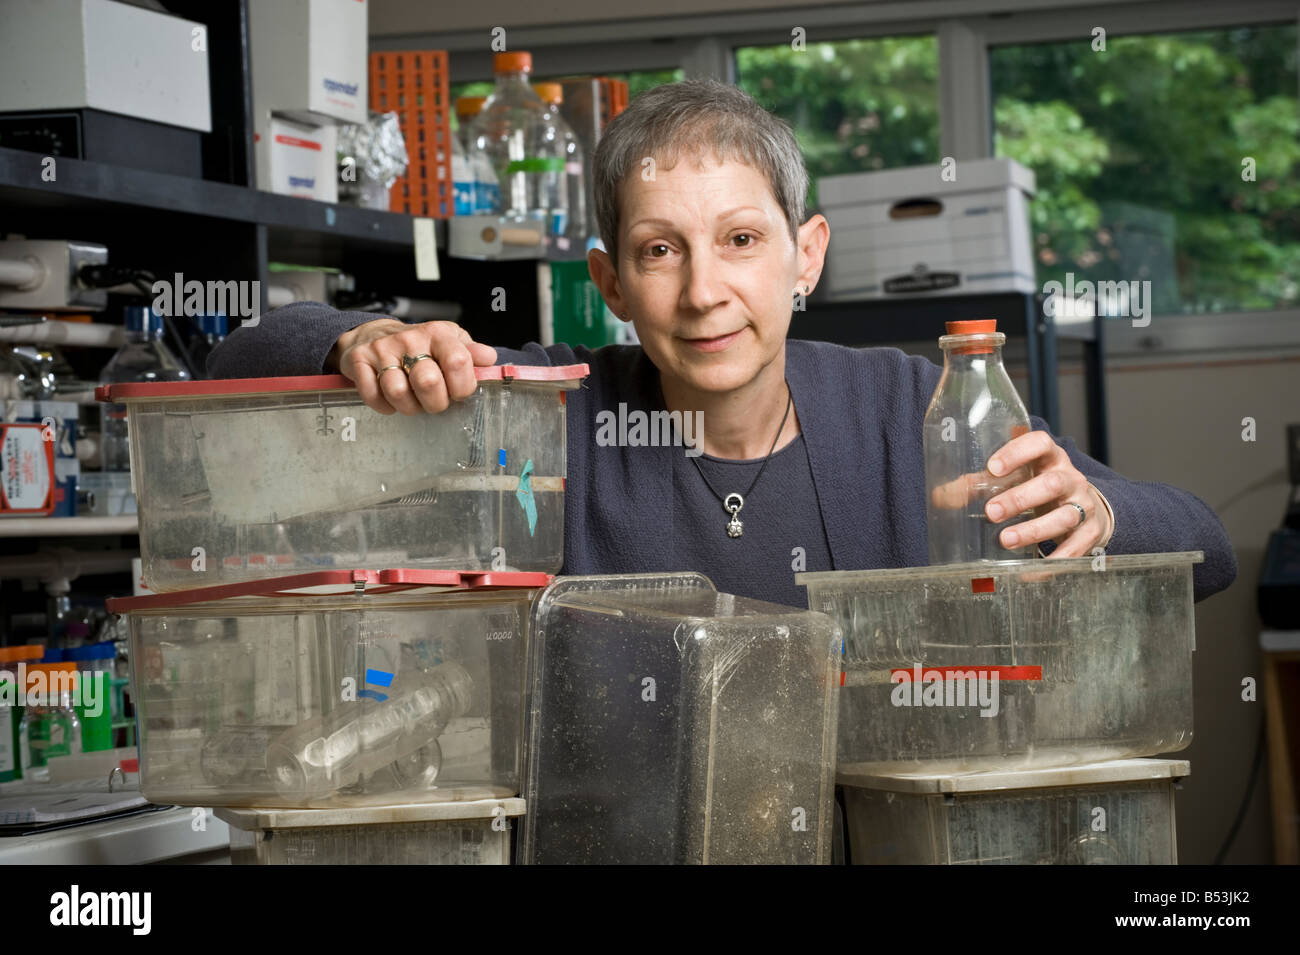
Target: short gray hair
[696, 117]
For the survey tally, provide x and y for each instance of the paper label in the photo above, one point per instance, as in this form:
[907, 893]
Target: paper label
[426, 251]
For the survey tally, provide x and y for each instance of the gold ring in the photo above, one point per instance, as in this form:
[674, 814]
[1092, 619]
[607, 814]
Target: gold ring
[408, 362]
[386, 368]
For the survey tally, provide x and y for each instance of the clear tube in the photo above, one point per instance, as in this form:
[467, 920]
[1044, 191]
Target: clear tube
[361, 738]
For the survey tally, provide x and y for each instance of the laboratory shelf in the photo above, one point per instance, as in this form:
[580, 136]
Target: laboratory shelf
[67, 526]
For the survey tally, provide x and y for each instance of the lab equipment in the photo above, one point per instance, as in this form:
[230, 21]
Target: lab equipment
[974, 412]
[1119, 812]
[11, 707]
[1014, 664]
[248, 479]
[568, 212]
[669, 723]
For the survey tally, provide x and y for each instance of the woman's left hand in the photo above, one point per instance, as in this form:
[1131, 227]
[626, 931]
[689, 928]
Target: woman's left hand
[1055, 486]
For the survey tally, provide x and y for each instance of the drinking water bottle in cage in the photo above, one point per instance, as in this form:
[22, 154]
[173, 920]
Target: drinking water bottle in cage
[361, 738]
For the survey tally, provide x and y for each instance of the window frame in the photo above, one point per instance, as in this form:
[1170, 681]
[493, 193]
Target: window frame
[967, 30]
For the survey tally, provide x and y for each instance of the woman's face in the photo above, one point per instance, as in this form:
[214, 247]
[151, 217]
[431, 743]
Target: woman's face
[707, 270]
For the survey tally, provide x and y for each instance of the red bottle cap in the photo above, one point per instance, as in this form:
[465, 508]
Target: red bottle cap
[978, 326]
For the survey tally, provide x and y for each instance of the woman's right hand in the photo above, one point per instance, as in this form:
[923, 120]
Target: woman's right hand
[433, 383]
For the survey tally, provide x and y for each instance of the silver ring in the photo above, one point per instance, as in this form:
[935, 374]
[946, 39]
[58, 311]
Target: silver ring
[1083, 515]
[380, 371]
[408, 361]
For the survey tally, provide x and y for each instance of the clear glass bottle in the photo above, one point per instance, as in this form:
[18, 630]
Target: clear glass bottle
[572, 237]
[514, 132]
[49, 726]
[143, 357]
[974, 412]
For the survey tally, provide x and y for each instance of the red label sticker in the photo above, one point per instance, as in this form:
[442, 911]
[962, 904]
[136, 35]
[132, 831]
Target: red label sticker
[295, 141]
[901, 675]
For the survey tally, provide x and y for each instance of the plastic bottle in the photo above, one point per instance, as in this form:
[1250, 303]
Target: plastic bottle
[144, 357]
[974, 412]
[487, 191]
[360, 738]
[573, 236]
[462, 179]
[515, 133]
[49, 727]
[12, 699]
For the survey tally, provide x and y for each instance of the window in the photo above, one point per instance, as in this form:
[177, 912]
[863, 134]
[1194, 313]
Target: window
[1171, 158]
[855, 105]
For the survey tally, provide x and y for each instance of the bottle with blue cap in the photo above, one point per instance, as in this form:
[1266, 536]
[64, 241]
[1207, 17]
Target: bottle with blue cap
[143, 357]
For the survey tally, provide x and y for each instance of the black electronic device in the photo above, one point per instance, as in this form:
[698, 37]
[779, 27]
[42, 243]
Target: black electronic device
[105, 137]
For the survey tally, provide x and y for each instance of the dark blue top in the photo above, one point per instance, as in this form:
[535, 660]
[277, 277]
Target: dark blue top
[851, 493]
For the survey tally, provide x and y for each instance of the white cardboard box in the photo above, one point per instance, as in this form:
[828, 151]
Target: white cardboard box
[309, 59]
[297, 160]
[913, 232]
[105, 55]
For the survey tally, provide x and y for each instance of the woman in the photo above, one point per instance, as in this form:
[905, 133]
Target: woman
[699, 197]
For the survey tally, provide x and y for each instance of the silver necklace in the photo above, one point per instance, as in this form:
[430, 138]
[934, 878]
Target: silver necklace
[733, 502]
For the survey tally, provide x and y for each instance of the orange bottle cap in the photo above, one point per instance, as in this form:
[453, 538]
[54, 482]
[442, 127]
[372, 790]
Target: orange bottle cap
[978, 326]
[32, 651]
[550, 92]
[512, 63]
[469, 105]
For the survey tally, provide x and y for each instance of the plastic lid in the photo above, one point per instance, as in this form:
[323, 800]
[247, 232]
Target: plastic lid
[333, 583]
[978, 326]
[96, 651]
[469, 105]
[512, 63]
[550, 92]
[31, 651]
[50, 669]
[52, 655]
[253, 386]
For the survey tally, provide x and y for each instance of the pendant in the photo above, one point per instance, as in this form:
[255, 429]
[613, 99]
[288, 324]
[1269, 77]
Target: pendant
[735, 526]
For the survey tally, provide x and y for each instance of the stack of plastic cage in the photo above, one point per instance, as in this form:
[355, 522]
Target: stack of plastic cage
[335, 653]
[996, 712]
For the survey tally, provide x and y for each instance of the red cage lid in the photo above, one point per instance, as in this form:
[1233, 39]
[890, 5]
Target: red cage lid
[253, 386]
[332, 583]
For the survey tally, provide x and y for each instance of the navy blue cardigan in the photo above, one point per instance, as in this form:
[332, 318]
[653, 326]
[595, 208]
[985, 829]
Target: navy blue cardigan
[860, 411]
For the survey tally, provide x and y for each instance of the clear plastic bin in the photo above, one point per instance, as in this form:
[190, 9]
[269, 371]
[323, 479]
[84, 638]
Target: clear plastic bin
[456, 833]
[1021, 663]
[255, 478]
[332, 689]
[1119, 812]
[669, 723]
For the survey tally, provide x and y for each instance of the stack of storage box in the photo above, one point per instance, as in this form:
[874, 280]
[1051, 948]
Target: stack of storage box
[991, 712]
[334, 655]
[309, 76]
